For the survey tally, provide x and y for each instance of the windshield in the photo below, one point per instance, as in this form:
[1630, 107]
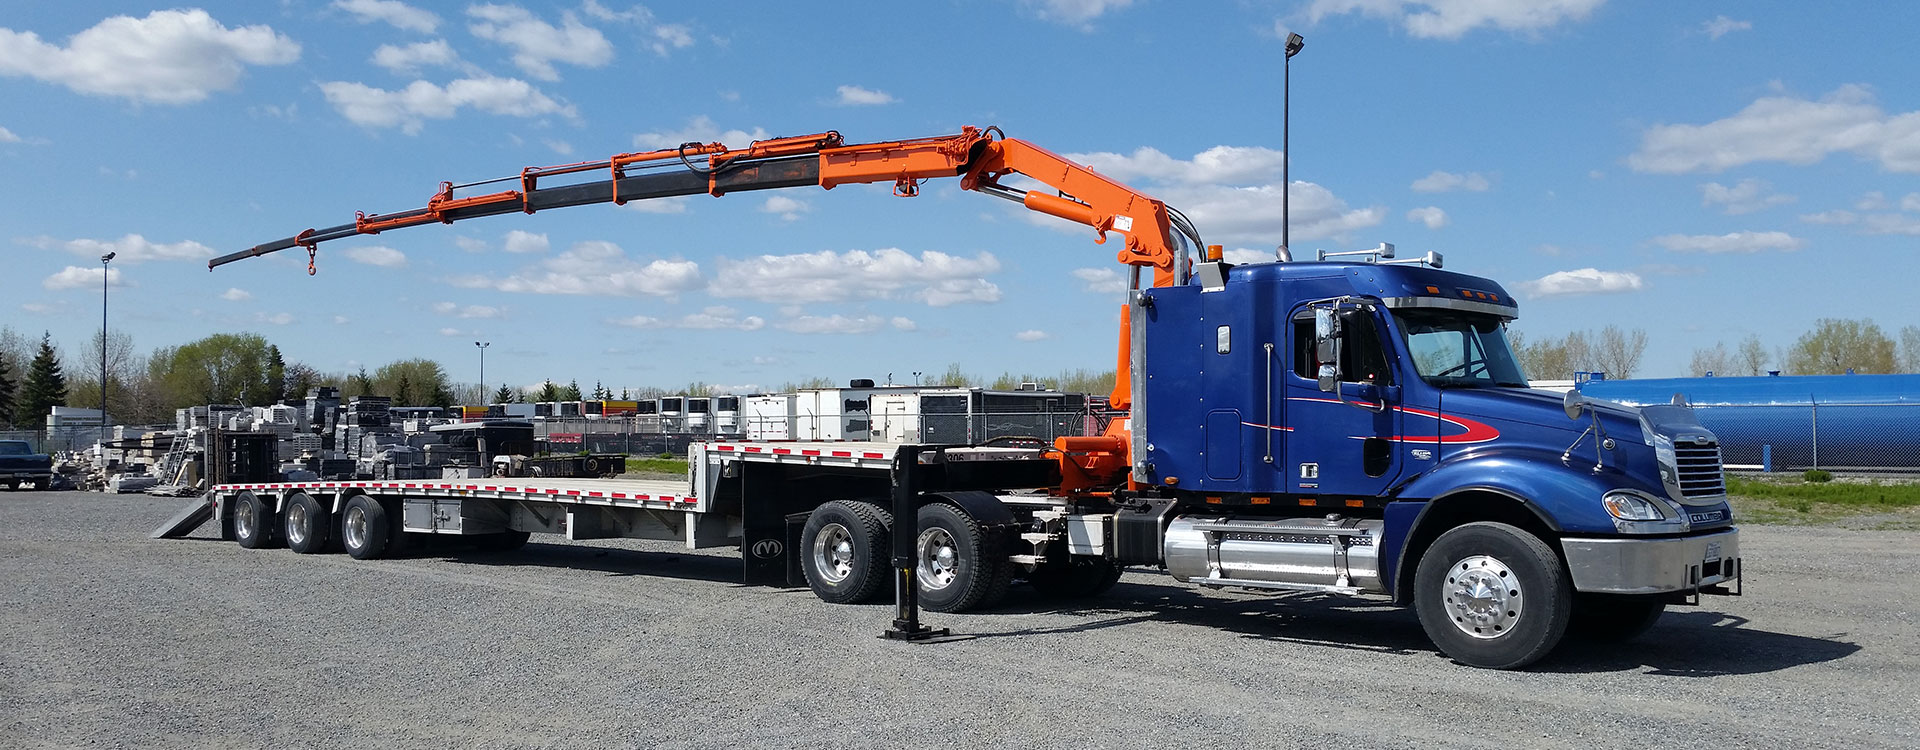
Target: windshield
[14, 448]
[1453, 349]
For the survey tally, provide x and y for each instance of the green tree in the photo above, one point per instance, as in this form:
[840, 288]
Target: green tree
[300, 379]
[403, 391]
[571, 392]
[548, 392]
[6, 394]
[43, 388]
[600, 392]
[223, 368]
[276, 375]
[1835, 346]
[506, 395]
[414, 382]
[1910, 349]
[359, 384]
[955, 376]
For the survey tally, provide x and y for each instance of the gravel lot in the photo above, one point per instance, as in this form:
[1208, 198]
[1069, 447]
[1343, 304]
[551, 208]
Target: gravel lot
[114, 640]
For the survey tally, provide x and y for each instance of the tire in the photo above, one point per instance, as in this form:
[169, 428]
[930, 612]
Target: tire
[307, 526]
[1491, 595]
[1077, 578]
[844, 551]
[366, 529]
[958, 566]
[1613, 618]
[505, 541]
[254, 525]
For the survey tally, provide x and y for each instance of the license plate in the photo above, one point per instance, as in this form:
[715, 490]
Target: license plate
[1712, 516]
[1713, 551]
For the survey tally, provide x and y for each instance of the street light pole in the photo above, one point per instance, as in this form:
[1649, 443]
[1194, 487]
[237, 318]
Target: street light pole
[1294, 44]
[483, 367]
[104, 260]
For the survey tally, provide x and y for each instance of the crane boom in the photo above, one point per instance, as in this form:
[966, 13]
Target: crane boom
[1156, 237]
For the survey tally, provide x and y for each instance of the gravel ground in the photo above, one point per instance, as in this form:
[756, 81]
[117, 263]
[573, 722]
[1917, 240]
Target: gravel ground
[114, 640]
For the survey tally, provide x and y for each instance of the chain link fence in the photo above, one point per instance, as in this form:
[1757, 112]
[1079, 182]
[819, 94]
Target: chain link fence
[1797, 437]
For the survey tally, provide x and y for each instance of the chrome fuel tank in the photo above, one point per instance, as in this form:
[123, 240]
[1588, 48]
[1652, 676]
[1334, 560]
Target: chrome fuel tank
[1316, 554]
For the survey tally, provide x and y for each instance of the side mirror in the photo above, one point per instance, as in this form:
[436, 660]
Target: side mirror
[1575, 404]
[1326, 348]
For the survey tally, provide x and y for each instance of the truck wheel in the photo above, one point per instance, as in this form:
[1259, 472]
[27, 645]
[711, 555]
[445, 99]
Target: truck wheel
[1491, 595]
[843, 551]
[505, 541]
[253, 523]
[1613, 618]
[307, 525]
[958, 565]
[1078, 578]
[365, 528]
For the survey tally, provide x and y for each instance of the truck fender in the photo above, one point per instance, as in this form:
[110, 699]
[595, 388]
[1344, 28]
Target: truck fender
[982, 507]
[1407, 540]
[1564, 497]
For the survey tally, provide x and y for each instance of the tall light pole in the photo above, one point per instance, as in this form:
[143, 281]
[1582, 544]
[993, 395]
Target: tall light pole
[482, 346]
[1294, 44]
[104, 260]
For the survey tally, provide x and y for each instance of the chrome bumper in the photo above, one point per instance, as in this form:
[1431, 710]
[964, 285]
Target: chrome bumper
[1616, 565]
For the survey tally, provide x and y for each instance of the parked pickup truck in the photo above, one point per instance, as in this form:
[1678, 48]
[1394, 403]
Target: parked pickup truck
[20, 465]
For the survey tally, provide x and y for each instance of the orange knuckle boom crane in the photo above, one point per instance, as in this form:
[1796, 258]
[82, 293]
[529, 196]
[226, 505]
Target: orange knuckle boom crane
[1153, 236]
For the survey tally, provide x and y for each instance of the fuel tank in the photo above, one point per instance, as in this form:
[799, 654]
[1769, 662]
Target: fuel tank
[1334, 553]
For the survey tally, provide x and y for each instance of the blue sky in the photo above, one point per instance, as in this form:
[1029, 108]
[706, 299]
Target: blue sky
[1703, 171]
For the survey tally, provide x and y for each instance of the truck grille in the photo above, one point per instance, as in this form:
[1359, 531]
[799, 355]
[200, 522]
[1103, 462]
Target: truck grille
[1699, 470]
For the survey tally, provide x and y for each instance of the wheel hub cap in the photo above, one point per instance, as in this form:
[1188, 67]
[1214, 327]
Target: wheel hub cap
[939, 559]
[1482, 597]
[833, 553]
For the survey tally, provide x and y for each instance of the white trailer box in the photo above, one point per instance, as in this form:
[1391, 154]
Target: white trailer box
[768, 417]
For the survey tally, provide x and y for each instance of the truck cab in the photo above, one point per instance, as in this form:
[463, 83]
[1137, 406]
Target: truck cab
[1363, 427]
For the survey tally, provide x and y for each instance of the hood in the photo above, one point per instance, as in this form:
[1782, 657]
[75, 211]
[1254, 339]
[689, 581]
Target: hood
[1540, 409]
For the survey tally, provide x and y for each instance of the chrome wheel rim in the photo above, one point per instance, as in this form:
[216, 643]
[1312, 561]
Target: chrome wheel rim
[244, 520]
[833, 553]
[939, 559]
[1482, 597]
[297, 520]
[356, 527]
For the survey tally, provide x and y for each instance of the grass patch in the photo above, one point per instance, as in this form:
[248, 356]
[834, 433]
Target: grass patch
[668, 465]
[1879, 504]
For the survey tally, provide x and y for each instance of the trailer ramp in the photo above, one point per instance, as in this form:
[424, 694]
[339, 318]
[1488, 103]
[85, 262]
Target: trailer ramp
[184, 522]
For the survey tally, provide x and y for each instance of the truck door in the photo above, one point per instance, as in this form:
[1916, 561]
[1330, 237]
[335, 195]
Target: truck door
[1341, 444]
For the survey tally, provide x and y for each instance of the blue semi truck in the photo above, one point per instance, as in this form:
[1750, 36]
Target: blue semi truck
[1345, 427]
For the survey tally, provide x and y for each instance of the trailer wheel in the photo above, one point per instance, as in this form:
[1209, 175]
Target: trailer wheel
[1613, 618]
[505, 541]
[1491, 595]
[1079, 578]
[253, 523]
[958, 565]
[843, 551]
[307, 525]
[365, 528]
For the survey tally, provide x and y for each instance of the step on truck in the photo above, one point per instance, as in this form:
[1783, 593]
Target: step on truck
[1353, 425]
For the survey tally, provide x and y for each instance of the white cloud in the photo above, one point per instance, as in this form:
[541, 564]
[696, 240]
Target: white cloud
[1032, 335]
[7, 136]
[1452, 19]
[169, 57]
[518, 241]
[236, 294]
[77, 277]
[449, 331]
[596, 268]
[1910, 202]
[1787, 129]
[786, 208]
[470, 244]
[470, 311]
[278, 319]
[408, 60]
[1744, 197]
[1890, 224]
[1432, 216]
[715, 318]
[537, 44]
[855, 96]
[409, 108]
[1241, 255]
[1836, 216]
[1101, 280]
[673, 205]
[1219, 164]
[1732, 242]
[340, 320]
[1582, 281]
[936, 278]
[1208, 189]
[903, 324]
[131, 248]
[664, 37]
[1871, 201]
[698, 130]
[378, 255]
[1447, 182]
[37, 308]
[833, 324]
[560, 147]
[1078, 13]
[1721, 26]
[398, 14]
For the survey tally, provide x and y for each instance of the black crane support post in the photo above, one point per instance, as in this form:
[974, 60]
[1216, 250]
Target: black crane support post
[908, 482]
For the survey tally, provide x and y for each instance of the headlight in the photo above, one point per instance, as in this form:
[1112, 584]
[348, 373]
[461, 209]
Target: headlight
[1631, 506]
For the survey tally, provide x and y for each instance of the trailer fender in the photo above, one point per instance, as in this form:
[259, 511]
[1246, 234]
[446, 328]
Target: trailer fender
[982, 507]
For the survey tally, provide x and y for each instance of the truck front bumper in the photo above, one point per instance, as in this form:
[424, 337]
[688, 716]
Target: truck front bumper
[1625, 565]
